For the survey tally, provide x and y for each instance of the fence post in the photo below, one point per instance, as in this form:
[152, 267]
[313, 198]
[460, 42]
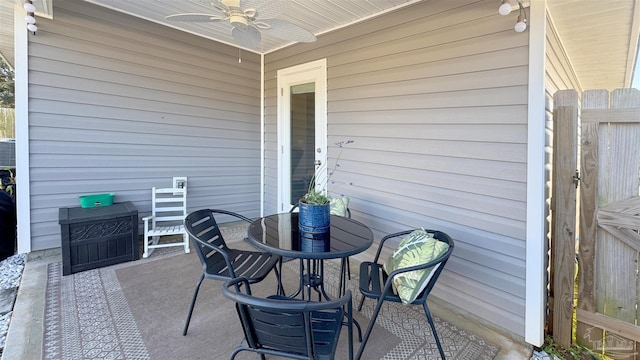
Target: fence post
[591, 99]
[563, 207]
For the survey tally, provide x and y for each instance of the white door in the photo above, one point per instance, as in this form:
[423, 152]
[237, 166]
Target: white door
[302, 131]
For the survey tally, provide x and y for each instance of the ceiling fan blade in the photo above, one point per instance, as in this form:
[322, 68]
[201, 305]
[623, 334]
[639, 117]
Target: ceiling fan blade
[194, 17]
[249, 38]
[266, 9]
[216, 4]
[286, 31]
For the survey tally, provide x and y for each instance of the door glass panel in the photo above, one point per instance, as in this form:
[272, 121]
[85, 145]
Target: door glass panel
[302, 138]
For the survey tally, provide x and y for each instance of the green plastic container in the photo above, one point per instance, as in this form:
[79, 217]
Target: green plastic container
[94, 200]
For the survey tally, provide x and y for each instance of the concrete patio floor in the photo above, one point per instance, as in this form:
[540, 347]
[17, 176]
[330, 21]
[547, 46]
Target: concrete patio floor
[25, 336]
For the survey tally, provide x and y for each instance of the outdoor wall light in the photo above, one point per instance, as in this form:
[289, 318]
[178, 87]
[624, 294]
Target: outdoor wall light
[505, 9]
[30, 19]
[29, 7]
[521, 24]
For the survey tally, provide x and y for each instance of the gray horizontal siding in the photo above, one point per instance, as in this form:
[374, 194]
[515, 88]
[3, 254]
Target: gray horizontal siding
[120, 105]
[435, 98]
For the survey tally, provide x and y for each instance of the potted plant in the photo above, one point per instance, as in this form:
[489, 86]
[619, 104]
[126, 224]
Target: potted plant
[314, 208]
[315, 205]
[315, 197]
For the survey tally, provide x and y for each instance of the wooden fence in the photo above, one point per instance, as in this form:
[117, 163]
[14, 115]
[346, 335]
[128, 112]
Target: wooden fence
[608, 253]
[7, 122]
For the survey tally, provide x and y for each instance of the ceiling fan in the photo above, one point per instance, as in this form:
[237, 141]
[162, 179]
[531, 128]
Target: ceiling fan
[248, 19]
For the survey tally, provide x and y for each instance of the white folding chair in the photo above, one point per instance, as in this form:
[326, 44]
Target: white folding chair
[168, 210]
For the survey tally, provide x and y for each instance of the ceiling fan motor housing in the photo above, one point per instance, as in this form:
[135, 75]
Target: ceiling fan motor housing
[239, 21]
[237, 17]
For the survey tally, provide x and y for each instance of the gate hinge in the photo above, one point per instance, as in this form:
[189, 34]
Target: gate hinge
[576, 178]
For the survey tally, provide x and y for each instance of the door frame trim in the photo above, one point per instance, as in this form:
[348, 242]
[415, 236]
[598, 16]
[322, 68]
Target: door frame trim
[317, 71]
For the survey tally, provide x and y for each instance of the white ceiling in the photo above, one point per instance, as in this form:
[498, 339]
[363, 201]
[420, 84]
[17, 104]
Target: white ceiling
[600, 36]
[315, 16]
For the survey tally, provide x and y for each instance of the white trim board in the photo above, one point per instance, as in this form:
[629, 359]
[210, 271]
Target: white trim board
[21, 38]
[535, 304]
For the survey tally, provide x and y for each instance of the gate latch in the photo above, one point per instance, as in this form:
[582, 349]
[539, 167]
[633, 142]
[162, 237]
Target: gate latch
[576, 178]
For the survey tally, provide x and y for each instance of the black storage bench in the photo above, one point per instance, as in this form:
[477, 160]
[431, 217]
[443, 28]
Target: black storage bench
[98, 236]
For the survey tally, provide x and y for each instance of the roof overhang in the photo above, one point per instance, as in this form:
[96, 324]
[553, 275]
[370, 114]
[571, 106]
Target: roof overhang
[44, 8]
[600, 38]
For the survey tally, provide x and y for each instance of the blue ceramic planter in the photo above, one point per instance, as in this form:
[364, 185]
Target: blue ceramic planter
[313, 218]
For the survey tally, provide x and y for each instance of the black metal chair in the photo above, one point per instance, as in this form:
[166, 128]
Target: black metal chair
[376, 284]
[295, 329]
[219, 261]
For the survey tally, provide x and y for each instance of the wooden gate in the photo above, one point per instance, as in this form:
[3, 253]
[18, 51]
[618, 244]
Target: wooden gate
[608, 284]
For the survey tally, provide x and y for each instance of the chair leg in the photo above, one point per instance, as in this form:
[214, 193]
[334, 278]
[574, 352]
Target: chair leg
[193, 302]
[361, 303]
[348, 269]
[185, 240]
[238, 350]
[279, 286]
[145, 253]
[357, 325]
[372, 322]
[433, 329]
[350, 330]
[153, 240]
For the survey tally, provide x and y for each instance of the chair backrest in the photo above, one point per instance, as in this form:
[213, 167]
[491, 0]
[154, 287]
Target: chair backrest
[201, 225]
[168, 206]
[285, 327]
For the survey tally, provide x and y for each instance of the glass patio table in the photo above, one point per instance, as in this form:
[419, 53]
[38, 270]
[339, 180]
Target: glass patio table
[279, 234]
